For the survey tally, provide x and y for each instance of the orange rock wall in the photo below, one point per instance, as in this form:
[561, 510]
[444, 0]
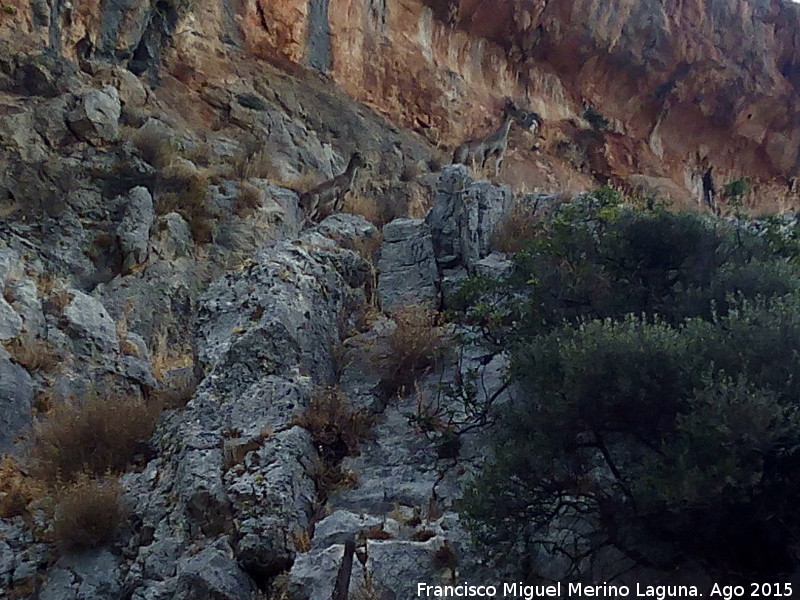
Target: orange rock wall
[680, 81]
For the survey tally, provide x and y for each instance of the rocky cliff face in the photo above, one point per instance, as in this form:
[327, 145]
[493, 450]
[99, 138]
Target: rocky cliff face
[151, 155]
[677, 85]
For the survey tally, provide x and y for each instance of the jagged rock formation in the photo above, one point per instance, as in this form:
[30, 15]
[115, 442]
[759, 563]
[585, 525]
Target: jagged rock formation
[645, 89]
[149, 236]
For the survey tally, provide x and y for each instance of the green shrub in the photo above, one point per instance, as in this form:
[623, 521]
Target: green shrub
[597, 258]
[681, 440]
[656, 361]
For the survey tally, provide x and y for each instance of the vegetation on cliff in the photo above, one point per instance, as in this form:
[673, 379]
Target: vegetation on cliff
[655, 357]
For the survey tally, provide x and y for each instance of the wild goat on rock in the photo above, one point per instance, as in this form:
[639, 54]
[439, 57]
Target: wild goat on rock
[328, 197]
[494, 145]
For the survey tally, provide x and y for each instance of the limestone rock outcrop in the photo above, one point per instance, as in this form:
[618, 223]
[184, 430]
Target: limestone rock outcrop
[464, 216]
[96, 116]
[151, 158]
[407, 266]
[134, 229]
[647, 89]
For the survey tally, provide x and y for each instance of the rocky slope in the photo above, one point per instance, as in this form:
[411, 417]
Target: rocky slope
[151, 243]
[678, 85]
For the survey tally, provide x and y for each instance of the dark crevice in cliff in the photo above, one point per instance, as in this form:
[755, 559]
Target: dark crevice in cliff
[319, 32]
[232, 35]
[55, 23]
[158, 33]
[114, 12]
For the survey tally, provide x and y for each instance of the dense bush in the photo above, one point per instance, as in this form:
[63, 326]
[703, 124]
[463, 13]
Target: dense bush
[88, 512]
[657, 359]
[97, 435]
[411, 348]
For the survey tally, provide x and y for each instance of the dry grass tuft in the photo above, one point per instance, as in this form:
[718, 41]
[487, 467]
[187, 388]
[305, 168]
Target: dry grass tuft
[329, 478]
[57, 301]
[46, 283]
[176, 394]
[17, 488]
[37, 355]
[254, 160]
[248, 200]
[202, 154]
[337, 431]
[423, 535]
[413, 347]
[88, 512]
[155, 147]
[369, 590]
[365, 205]
[97, 435]
[516, 228]
[376, 532]
[191, 202]
[302, 540]
[259, 164]
[336, 428]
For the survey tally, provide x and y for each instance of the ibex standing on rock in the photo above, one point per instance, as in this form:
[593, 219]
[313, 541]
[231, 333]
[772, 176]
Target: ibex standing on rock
[495, 144]
[328, 197]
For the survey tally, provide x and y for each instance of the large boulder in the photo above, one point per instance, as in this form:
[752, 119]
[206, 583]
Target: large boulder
[313, 574]
[198, 484]
[213, 573]
[88, 323]
[16, 399]
[464, 216]
[173, 238]
[272, 495]
[133, 230]
[347, 230]
[407, 266]
[277, 314]
[96, 116]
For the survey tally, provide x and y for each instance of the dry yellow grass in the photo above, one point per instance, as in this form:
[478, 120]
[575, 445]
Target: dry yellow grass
[247, 200]
[414, 346]
[37, 355]
[363, 205]
[255, 164]
[17, 488]
[516, 228]
[302, 540]
[57, 301]
[202, 154]
[336, 428]
[99, 434]
[88, 512]
[191, 201]
[176, 395]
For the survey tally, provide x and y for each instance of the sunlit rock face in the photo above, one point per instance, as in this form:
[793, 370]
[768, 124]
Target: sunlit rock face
[681, 83]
